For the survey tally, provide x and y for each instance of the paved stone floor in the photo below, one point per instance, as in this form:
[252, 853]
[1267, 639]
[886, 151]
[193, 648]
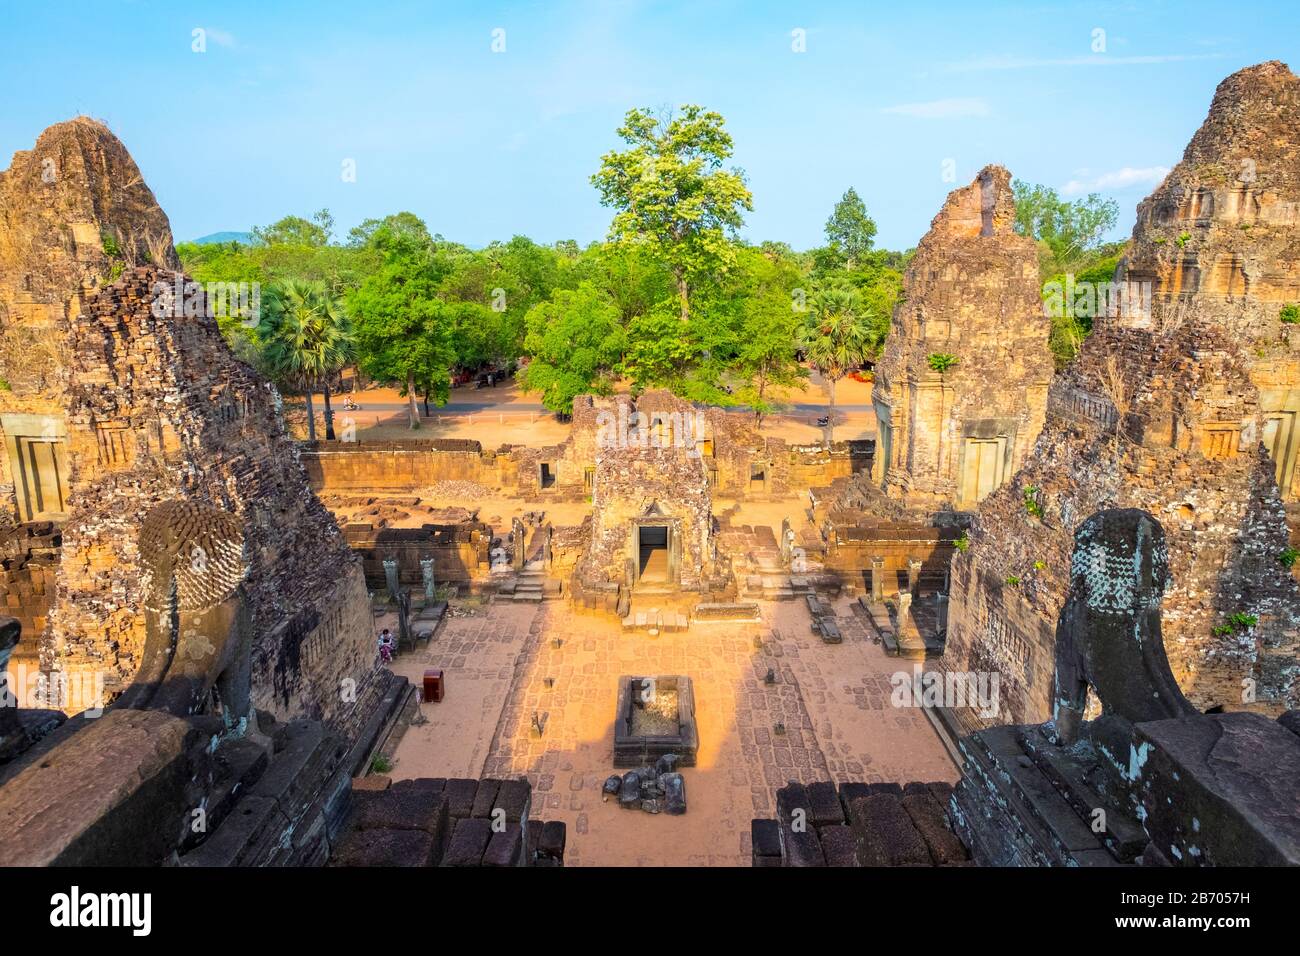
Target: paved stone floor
[832, 700]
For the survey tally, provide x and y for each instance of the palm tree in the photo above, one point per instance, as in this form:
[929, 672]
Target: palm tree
[837, 337]
[305, 337]
[342, 354]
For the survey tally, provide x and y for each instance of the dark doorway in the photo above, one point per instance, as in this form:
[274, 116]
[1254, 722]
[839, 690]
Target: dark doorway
[757, 477]
[548, 476]
[652, 547]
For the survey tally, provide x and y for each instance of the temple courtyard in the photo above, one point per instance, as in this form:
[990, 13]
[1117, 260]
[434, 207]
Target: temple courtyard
[827, 716]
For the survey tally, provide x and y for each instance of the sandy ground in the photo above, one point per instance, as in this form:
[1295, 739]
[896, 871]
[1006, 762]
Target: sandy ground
[506, 415]
[832, 702]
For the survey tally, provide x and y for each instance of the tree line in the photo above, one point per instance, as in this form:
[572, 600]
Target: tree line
[671, 298]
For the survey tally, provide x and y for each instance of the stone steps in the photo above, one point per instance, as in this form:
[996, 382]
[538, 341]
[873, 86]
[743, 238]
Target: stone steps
[533, 586]
[1123, 837]
[1011, 814]
[656, 620]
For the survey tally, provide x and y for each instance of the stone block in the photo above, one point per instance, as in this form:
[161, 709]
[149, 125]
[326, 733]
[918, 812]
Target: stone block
[469, 840]
[885, 834]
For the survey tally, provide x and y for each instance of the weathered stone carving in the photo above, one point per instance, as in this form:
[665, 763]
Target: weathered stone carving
[197, 648]
[1109, 635]
[1150, 780]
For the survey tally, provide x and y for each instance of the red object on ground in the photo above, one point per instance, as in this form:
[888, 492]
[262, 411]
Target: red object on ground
[433, 688]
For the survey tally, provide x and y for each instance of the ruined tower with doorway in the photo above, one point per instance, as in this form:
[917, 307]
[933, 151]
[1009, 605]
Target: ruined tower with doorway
[961, 387]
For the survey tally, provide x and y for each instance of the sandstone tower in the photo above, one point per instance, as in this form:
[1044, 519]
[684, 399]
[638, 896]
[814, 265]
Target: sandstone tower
[74, 211]
[137, 404]
[1183, 409]
[951, 436]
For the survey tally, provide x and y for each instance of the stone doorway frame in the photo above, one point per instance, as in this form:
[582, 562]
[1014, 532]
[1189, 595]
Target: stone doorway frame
[655, 517]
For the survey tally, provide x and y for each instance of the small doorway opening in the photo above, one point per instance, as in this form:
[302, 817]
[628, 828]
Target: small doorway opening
[757, 477]
[652, 552]
[547, 476]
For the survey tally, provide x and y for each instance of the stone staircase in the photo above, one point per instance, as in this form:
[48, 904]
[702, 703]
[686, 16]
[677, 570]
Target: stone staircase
[532, 586]
[1023, 801]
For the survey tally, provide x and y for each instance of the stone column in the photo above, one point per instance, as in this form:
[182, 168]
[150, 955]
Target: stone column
[390, 575]
[426, 569]
[913, 575]
[877, 578]
[517, 532]
[904, 607]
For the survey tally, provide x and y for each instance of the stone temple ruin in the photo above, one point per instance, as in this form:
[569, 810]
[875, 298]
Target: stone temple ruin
[196, 586]
[971, 293]
[1180, 409]
[194, 595]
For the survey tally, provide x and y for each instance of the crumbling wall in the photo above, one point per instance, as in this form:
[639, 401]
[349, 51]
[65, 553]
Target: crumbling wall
[395, 465]
[972, 293]
[1187, 450]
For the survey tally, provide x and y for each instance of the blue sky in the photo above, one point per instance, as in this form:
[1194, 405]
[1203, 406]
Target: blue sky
[484, 145]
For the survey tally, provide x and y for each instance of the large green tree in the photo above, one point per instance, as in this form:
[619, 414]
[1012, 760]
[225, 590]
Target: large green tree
[849, 230]
[673, 195]
[403, 329]
[576, 341]
[1066, 231]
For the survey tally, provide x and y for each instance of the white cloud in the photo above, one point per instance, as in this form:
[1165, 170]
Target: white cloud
[942, 109]
[1117, 179]
[1028, 63]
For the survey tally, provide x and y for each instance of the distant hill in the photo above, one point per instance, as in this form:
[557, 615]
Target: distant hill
[245, 237]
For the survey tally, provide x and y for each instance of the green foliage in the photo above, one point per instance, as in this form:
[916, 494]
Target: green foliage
[1065, 231]
[403, 330]
[297, 231]
[1032, 505]
[1221, 630]
[1072, 321]
[849, 230]
[1287, 557]
[838, 336]
[962, 543]
[1040, 565]
[380, 763]
[940, 361]
[1242, 621]
[673, 195]
[1013, 581]
[576, 341]
[673, 299]
[110, 244]
[1183, 239]
[1290, 313]
[305, 337]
